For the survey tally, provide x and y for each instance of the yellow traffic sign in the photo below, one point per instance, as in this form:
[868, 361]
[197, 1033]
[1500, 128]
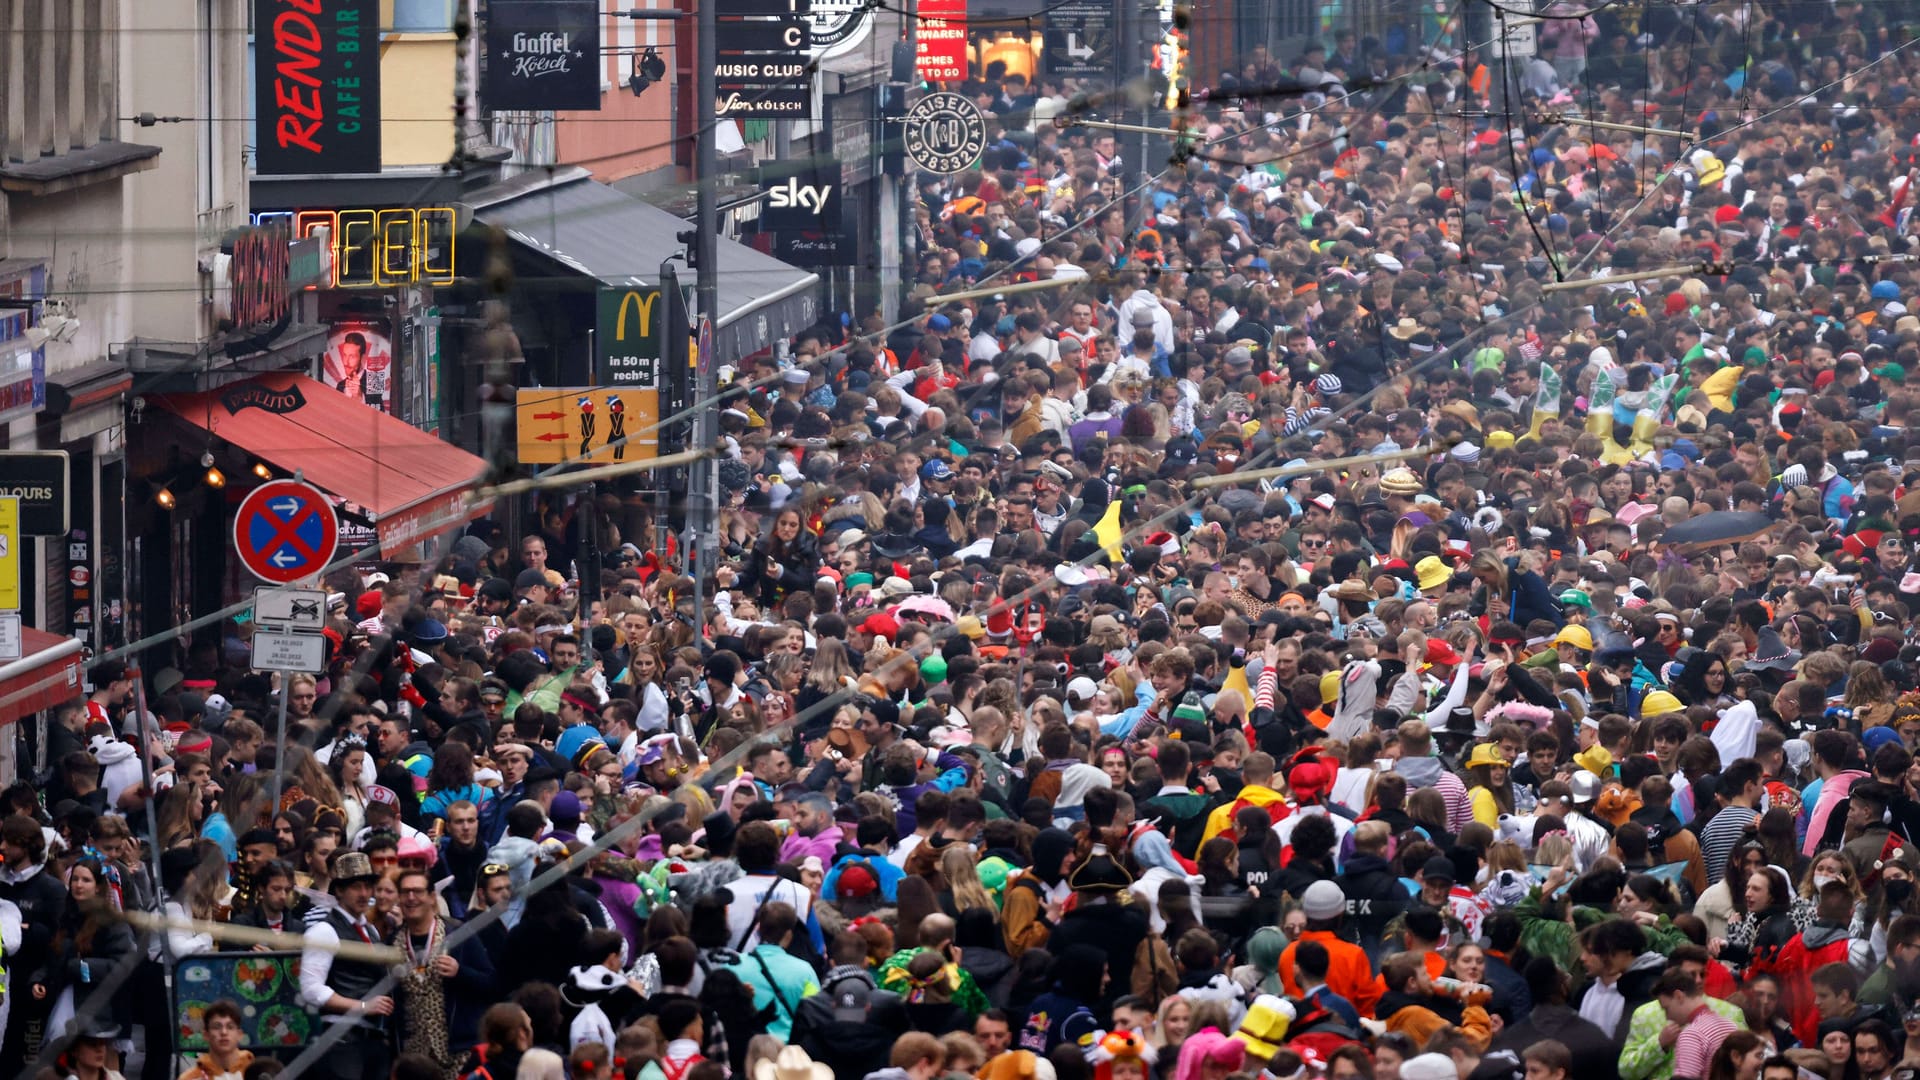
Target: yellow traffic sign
[10, 553]
[562, 424]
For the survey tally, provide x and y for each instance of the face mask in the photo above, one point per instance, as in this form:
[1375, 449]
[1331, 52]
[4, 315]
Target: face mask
[1899, 892]
[1820, 880]
[1233, 581]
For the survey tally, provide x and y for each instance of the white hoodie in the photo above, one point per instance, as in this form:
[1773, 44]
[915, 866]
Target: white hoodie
[119, 766]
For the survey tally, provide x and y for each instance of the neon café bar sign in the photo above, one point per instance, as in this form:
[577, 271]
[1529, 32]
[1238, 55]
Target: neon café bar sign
[371, 249]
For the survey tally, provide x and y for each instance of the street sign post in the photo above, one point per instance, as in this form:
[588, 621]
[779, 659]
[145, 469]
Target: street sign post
[295, 610]
[12, 641]
[1520, 42]
[9, 553]
[275, 650]
[284, 531]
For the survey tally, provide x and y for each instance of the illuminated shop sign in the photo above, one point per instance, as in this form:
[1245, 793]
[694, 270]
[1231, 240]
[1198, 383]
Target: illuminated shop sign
[370, 248]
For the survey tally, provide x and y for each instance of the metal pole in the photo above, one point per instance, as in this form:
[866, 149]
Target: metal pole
[589, 563]
[280, 743]
[146, 772]
[700, 494]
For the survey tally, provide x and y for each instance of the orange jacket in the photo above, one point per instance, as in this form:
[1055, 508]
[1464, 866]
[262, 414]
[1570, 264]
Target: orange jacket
[1349, 973]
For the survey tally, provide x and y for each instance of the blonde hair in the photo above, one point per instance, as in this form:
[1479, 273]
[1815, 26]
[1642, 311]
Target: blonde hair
[1554, 849]
[1505, 855]
[964, 878]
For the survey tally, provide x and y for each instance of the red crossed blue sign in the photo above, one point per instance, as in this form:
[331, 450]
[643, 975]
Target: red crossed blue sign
[285, 531]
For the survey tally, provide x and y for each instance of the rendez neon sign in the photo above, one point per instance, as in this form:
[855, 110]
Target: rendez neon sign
[379, 248]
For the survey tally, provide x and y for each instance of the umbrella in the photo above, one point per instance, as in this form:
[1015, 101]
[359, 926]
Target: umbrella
[1719, 527]
[931, 606]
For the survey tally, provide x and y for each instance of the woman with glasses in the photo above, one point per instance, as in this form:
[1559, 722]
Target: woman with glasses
[1704, 680]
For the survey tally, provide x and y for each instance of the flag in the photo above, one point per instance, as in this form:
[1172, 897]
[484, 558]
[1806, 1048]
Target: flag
[1547, 402]
[1600, 405]
[1898, 200]
[1107, 531]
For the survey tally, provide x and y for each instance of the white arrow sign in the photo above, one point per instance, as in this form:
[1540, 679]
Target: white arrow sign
[283, 557]
[286, 508]
[1077, 50]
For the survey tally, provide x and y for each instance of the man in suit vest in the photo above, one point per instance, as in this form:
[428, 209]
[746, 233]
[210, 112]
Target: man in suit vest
[342, 987]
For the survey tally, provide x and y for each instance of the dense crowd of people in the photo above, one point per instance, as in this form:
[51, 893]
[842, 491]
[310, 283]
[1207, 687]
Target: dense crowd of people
[1025, 730]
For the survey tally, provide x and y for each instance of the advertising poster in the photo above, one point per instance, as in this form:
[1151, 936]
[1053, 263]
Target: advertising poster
[359, 362]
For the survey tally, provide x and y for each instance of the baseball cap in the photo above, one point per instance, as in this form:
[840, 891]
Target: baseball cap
[851, 997]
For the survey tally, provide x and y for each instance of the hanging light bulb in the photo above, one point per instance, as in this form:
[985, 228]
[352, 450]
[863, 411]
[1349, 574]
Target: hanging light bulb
[260, 470]
[215, 478]
[164, 497]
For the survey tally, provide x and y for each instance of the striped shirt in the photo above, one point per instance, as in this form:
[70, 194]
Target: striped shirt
[1700, 1036]
[1459, 803]
[1721, 836]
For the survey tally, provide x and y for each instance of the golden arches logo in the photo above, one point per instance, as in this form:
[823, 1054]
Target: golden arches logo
[644, 303]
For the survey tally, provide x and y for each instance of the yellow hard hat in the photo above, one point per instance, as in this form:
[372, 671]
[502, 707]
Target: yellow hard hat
[1329, 687]
[1575, 635]
[1659, 703]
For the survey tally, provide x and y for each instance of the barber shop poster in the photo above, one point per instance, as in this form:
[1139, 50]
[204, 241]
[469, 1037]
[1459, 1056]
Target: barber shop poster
[359, 362]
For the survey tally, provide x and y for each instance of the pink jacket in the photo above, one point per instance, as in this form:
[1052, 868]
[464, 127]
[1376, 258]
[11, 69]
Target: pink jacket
[797, 847]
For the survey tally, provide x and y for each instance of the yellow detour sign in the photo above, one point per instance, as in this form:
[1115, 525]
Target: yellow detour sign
[557, 424]
[10, 553]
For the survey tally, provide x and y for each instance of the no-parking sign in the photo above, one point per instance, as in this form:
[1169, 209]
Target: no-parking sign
[285, 531]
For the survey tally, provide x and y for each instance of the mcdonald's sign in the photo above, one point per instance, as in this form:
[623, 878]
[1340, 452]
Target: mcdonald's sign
[626, 348]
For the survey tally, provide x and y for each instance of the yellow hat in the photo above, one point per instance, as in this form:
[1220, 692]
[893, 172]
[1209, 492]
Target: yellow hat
[1432, 572]
[1486, 754]
[1264, 1030]
[1659, 703]
[1594, 759]
[1575, 635]
[1330, 687]
[1499, 440]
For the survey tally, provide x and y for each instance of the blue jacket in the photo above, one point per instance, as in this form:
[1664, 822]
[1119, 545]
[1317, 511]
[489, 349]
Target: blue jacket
[883, 871]
[791, 980]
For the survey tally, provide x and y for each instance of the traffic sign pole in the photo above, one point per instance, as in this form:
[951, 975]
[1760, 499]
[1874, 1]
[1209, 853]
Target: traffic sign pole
[285, 530]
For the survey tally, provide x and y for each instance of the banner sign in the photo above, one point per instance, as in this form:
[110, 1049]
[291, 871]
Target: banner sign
[809, 199]
[940, 41]
[266, 987]
[741, 102]
[39, 478]
[317, 94]
[543, 54]
[1079, 39]
[626, 340]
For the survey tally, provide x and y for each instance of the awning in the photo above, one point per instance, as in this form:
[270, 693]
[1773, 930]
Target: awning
[608, 235]
[409, 483]
[47, 673]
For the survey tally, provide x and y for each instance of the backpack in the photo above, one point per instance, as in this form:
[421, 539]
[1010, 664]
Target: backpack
[679, 1070]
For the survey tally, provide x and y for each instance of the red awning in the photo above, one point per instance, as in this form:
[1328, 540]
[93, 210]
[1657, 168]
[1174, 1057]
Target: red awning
[410, 483]
[47, 673]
